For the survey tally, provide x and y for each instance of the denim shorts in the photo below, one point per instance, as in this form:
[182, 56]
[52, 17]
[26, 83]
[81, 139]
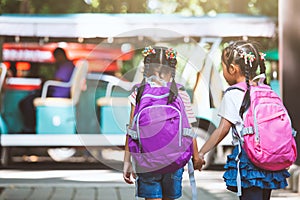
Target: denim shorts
[151, 185]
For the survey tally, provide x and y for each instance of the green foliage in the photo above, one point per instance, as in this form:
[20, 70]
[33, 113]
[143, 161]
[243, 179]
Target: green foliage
[71, 6]
[206, 7]
[267, 7]
[9, 6]
[185, 7]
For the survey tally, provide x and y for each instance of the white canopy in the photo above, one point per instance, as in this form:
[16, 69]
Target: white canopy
[127, 25]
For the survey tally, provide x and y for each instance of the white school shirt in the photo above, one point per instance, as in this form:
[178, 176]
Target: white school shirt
[230, 107]
[184, 96]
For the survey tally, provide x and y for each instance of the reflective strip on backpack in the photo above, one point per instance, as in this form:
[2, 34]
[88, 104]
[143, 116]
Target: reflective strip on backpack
[132, 133]
[236, 137]
[294, 133]
[136, 179]
[247, 131]
[189, 133]
[238, 176]
[192, 179]
[136, 188]
[155, 96]
[237, 141]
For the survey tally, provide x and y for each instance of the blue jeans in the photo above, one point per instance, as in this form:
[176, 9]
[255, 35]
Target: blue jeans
[151, 185]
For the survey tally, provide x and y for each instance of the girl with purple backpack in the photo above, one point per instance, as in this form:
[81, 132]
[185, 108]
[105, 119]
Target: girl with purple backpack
[160, 66]
[240, 61]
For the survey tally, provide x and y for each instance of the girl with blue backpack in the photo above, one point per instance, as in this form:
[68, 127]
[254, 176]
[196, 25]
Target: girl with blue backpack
[252, 177]
[159, 141]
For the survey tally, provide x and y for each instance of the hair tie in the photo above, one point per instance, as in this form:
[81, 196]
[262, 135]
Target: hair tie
[171, 54]
[262, 56]
[148, 51]
[248, 57]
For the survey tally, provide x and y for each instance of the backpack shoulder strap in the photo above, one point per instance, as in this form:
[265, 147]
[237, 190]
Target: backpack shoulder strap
[136, 86]
[239, 86]
[234, 88]
[182, 88]
[192, 180]
[179, 86]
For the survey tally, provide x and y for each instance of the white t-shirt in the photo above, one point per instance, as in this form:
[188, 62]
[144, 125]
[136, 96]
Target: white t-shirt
[230, 107]
[184, 96]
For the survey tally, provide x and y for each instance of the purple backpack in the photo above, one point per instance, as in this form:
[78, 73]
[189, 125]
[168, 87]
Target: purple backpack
[161, 137]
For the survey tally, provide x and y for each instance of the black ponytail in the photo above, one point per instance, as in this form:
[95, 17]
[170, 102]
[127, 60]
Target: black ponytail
[246, 101]
[173, 89]
[141, 88]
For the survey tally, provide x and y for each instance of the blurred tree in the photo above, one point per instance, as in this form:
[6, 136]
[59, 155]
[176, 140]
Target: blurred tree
[72, 6]
[267, 7]
[185, 7]
[10, 6]
[239, 6]
[122, 6]
[202, 7]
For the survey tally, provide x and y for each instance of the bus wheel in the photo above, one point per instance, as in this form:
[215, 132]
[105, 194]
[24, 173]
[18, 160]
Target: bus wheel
[202, 137]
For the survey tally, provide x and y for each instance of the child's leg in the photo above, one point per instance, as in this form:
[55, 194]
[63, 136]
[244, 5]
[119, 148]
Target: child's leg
[149, 186]
[172, 185]
[267, 194]
[255, 193]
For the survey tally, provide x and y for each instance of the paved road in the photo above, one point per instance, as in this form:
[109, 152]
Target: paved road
[104, 184]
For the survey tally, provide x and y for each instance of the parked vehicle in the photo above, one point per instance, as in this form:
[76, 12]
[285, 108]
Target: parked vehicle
[103, 109]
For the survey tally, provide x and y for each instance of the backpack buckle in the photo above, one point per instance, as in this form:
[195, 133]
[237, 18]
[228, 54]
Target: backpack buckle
[247, 131]
[132, 133]
[294, 132]
[189, 133]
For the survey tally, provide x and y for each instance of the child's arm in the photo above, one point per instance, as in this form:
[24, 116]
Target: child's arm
[127, 168]
[216, 137]
[197, 162]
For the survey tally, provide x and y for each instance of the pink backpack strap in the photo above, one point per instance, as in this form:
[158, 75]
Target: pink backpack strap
[237, 139]
[242, 86]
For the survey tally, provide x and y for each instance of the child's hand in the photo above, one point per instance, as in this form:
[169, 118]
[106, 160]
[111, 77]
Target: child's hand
[202, 161]
[127, 172]
[198, 163]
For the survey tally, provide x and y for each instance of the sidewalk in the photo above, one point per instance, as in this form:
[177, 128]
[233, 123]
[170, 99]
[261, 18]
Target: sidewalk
[94, 185]
[87, 193]
[95, 192]
[105, 185]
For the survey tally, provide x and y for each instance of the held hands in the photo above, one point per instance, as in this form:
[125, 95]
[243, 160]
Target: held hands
[199, 162]
[127, 172]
